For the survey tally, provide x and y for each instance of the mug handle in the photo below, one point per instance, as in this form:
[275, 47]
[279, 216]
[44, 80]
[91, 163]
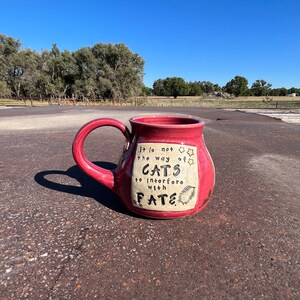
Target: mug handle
[104, 176]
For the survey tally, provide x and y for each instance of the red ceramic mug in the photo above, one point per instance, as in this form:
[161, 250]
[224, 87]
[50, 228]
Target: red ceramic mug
[165, 170]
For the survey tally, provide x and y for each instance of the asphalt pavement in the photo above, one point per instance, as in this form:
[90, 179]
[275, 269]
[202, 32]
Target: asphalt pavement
[63, 236]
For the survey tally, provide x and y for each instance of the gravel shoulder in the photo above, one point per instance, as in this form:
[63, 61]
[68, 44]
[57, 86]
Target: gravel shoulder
[287, 115]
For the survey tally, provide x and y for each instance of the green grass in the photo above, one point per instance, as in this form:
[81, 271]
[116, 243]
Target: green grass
[239, 102]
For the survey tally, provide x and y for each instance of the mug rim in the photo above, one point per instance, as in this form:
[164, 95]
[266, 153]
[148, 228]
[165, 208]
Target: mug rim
[168, 121]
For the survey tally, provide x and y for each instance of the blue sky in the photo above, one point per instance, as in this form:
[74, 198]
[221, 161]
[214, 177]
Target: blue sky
[211, 40]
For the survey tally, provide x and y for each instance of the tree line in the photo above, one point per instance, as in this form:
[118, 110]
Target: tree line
[238, 86]
[103, 71]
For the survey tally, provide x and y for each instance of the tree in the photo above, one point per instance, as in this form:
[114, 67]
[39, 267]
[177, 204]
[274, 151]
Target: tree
[68, 71]
[207, 87]
[158, 87]
[22, 73]
[101, 71]
[260, 88]
[146, 91]
[170, 86]
[175, 86]
[194, 89]
[51, 77]
[119, 72]
[4, 89]
[128, 70]
[279, 92]
[237, 86]
[30, 64]
[217, 88]
[9, 48]
[293, 90]
[84, 84]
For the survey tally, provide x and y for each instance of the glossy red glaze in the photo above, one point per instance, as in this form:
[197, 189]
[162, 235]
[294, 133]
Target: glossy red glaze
[167, 130]
[105, 177]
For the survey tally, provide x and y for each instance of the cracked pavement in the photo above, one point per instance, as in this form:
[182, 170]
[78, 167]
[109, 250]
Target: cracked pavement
[63, 236]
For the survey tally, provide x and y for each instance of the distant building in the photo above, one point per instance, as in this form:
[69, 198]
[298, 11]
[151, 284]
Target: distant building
[292, 95]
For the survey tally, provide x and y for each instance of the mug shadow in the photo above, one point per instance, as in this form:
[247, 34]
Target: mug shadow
[88, 186]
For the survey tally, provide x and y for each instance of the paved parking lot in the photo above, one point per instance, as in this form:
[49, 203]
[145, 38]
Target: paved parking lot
[63, 236]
